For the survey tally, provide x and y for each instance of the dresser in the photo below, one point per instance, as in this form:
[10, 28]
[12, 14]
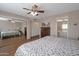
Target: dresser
[45, 31]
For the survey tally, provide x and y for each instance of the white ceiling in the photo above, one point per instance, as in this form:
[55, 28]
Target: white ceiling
[49, 8]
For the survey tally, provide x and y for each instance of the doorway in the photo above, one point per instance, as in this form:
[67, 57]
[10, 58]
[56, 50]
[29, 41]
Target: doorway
[25, 31]
[62, 28]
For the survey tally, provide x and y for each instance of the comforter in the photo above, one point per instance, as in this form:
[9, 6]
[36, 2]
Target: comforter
[49, 46]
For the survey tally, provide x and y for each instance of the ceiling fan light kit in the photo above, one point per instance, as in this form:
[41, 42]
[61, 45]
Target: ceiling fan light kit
[34, 13]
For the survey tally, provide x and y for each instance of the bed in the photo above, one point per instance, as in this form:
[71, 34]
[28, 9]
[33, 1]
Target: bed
[49, 46]
[4, 34]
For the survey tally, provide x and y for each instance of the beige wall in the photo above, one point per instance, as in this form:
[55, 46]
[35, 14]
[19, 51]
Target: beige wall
[52, 22]
[73, 31]
[8, 26]
[35, 28]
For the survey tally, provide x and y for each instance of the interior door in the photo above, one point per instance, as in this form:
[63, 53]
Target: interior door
[25, 32]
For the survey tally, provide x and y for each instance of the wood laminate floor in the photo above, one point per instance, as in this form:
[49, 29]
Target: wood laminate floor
[8, 46]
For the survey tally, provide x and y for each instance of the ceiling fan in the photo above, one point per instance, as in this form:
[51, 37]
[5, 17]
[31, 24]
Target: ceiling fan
[34, 11]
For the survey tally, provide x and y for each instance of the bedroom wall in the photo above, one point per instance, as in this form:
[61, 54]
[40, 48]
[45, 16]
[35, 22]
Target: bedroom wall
[73, 30]
[8, 26]
[15, 16]
[52, 22]
[35, 28]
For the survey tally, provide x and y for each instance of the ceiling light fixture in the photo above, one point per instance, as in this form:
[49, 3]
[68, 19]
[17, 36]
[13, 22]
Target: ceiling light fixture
[34, 13]
[2, 18]
[13, 21]
[59, 20]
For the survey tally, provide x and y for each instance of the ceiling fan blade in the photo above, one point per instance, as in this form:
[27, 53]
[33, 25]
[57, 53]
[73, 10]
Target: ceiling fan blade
[28, 12]
[41, 11]
[27, 9]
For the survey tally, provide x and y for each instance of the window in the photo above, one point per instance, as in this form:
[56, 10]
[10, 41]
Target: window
[64, 27]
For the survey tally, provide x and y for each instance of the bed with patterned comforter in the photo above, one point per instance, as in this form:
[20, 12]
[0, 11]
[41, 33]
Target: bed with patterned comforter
[49, 46]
